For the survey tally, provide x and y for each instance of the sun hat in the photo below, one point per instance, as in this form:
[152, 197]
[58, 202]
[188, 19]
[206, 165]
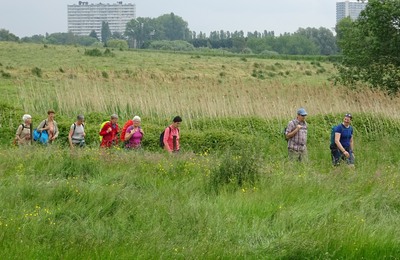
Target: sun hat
[302, 112]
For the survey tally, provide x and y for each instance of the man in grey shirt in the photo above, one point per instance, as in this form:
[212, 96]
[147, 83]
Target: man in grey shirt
[296, 134]
[77, 134]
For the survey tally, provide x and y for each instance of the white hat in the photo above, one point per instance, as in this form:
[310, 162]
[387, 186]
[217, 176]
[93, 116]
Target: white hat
[136, 118]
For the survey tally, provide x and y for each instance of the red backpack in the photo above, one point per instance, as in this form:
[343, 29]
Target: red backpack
[127, 124]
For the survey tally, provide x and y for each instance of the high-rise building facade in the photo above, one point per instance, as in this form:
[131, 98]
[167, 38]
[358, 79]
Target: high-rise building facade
[84, 17]
[350, 9]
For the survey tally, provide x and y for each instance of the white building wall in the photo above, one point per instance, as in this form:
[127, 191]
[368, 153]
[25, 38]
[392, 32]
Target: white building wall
[349, 9]
[84, 17]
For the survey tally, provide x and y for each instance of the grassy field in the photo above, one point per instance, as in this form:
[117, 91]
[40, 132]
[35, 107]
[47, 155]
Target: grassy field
[230, 194]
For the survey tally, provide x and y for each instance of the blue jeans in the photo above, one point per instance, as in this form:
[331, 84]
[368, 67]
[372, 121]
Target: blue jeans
[338, 156]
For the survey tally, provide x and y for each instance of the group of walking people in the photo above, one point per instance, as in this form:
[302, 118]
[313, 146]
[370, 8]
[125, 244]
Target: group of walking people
[341, 143]
[110, 133]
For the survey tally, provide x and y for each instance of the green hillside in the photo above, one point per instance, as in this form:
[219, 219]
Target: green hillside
[231, 193]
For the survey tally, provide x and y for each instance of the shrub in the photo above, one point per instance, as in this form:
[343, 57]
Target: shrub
[118, 44]
[247, 51]
[109, 53]
[104, 74]
[238, 168]
[308, 73]
[171, 46]
[5, 74]
[93, 52]
[37, 72]
[269, 54]
[321, 70]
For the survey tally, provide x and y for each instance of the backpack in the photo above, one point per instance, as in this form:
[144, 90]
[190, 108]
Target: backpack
[127, 124]
[162, 137]
[41, 137]
[284, 132]
[101, 127]
[73, 132]
[15, 139]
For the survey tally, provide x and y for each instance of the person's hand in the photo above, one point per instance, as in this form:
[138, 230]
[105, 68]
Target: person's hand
[109, 129]
[346, 153]
[299, 127]
[141, 131]
[53, 138]
[28, 137]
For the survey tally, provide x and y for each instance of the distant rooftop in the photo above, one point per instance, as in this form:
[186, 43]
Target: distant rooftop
[87, 3]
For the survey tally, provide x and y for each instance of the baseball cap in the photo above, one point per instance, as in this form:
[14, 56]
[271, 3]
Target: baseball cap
[302, 112]
[348, 115]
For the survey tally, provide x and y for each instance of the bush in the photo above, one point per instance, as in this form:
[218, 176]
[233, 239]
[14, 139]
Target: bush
[5, 74]
[93, 52]
[171, 46]
[109, 53]
[37, 72]
[247, 51]
[238, 168]
[118, 44]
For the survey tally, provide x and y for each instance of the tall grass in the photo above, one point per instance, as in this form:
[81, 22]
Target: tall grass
[146, 205]
[151, 95]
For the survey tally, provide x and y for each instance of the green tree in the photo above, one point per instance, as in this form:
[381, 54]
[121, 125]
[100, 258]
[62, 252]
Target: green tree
[173, 27]
[141, 30]
[371, 47]
[105, 33]
[294, 44]
[117, 44]
[34, 39]
[93, 34]
[85, 40]
[322, 37]
[61, 38]
[7, 36]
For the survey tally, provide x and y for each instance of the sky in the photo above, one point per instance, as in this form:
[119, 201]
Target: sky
[28, 17]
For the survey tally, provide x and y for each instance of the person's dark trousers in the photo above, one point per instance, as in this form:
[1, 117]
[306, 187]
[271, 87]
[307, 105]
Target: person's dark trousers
[337, 155]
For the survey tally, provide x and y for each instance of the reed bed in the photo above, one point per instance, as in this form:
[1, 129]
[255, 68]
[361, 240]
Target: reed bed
[234, 97]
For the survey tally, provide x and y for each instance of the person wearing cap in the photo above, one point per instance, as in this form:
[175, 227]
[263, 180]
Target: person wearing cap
[23, 134]
[109, 132]
[77, 134]
[134, 134]
[342, 146]
[296, 134]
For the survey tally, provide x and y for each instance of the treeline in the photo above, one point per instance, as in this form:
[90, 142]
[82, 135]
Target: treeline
[309, 41]
[171, 32]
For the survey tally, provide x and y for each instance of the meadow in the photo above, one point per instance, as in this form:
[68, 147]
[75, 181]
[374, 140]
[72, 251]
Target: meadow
[231, 193]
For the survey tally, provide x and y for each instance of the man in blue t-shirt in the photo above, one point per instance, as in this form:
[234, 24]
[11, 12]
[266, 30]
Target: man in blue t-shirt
[342, 146]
